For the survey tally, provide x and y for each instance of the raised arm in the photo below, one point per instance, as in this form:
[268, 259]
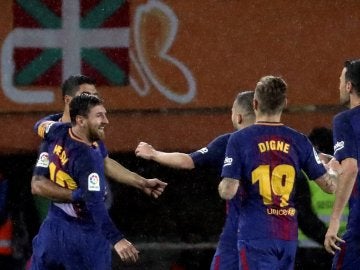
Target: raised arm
[171, 159]
[115, 171]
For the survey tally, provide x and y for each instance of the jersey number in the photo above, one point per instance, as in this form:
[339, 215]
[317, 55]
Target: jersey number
[279, 182]
[61, 178]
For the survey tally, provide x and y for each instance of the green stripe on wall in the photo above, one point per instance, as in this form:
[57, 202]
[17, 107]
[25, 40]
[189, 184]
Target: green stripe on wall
[41, 13]
[38, 66]
[100, 13]
[104, 65]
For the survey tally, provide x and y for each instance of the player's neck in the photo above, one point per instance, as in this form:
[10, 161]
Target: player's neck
[80, 135]
[268, 118]
[354, 102]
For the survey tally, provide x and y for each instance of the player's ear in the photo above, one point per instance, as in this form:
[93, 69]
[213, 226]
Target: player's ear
[239, 118]
[255, 104]
[80, 120]
[348, 86]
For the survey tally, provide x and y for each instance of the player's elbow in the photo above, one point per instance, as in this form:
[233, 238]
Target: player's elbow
[36, 185]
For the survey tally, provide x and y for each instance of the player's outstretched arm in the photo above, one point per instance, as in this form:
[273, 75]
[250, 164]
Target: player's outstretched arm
[44, 187]
[228, 188]
[114, 170]
[174, 159]
[126, 250]
[345, 185]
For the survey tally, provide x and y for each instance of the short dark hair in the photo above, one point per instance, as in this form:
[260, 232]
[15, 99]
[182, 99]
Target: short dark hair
[71, 84]
[352, 74]
[82, 104]
[270, 92]
[244, 100]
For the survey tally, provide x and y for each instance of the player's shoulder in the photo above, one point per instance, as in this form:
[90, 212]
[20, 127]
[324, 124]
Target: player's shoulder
[223, 138]
[347, 114]
[51, 130]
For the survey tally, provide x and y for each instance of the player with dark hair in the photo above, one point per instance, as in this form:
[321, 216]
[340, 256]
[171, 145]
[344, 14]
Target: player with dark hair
[40, 185]
[78, 235]
[346, 129]
[267, 158]
[212, 156]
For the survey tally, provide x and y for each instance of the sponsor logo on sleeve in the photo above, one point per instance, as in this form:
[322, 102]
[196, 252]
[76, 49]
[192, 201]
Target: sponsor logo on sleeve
[228, 161]
[48, 126]
[43, 160]
[94, 182]
[338, 146]
[316, 156]
[203, 150]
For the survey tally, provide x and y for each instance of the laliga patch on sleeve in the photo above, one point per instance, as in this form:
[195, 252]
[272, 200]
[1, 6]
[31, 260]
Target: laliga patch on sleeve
[94, 182]
[43, 160]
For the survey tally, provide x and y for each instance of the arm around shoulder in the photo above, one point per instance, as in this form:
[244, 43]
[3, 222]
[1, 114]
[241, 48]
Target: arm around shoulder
[42, 186]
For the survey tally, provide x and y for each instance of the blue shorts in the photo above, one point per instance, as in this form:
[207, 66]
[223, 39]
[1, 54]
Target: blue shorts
[226, 258]
[349, 255]
[65, 243]
[267, 254]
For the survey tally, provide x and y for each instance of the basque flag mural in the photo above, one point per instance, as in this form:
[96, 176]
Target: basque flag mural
[55, 39]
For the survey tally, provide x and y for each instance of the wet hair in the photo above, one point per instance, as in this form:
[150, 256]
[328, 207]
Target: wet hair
[71, 85]
[82, 104]
[270, 92]
[352, 74]
[244, 101]
[322, 140]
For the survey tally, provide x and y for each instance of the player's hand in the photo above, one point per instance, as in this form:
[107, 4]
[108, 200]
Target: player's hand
[334, 167]
[144, 150]
[154, 187]
[325, 158]
[126, 250]
[332, 241]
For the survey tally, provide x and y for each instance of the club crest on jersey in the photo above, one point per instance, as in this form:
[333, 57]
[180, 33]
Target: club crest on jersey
[338, 146]
[228, 161]
[94, 182]
[43, 160]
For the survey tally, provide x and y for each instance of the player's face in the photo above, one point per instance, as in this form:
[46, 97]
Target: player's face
[344, 94]
[96, 122]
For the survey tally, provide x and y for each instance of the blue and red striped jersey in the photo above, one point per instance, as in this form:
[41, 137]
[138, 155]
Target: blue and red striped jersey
[267, 159]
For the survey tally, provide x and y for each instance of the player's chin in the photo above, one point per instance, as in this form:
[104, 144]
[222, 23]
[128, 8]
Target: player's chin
[101, 134]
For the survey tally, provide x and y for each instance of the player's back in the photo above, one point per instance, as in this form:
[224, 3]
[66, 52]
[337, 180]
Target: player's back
[267, 158]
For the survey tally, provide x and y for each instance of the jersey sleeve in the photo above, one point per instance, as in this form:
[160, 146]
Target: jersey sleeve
[42, 163]
[92, 181]
[231, 167]
[344, 138]
[312, 166]
[49, 118]
[211, 155]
